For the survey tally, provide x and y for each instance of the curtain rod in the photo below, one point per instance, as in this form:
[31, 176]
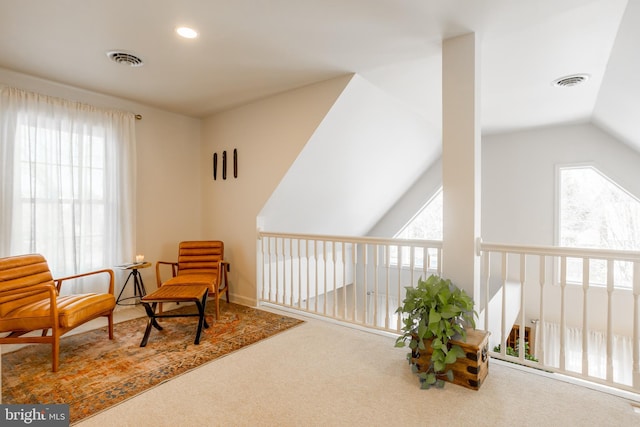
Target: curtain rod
[138, 116]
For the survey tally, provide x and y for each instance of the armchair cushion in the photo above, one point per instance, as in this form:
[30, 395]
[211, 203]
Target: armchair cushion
[73, 310]
[200, 262]
[30, 301]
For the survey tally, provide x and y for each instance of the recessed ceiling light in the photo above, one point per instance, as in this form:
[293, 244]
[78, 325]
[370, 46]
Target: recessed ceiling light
[186, 32]
[572, 80]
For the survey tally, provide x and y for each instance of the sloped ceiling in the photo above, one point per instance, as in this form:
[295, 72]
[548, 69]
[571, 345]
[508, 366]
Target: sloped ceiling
[617, 109]
[368, 149]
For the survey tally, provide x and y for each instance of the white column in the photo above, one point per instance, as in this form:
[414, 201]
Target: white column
[461, 162]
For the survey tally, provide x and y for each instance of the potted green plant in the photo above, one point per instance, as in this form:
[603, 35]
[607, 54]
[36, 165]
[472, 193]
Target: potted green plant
[434, 312]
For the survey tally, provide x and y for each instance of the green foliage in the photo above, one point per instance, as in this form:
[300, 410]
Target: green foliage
[437, 310]
[516, 352]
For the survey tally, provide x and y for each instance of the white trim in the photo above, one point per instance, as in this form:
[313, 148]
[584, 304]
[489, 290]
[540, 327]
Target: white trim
[635, 397]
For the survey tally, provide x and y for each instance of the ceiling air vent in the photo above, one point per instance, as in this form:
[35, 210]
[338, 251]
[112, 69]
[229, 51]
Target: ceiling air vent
[570, 81]
[125, 58]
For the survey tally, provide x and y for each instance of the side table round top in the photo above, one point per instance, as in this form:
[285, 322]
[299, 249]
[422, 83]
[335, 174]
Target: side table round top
[135, 265]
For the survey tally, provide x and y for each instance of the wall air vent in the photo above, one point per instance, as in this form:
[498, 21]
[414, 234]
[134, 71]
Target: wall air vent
[570, 81]
[125, 58]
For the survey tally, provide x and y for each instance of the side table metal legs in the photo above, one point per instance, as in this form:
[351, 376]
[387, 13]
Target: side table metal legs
[138, 287]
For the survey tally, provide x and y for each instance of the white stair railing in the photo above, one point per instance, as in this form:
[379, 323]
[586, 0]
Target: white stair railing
[583, 291]
[564, 291]
[356, 280]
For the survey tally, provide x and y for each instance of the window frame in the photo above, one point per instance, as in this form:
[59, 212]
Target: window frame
[432, 259]
[612, 179]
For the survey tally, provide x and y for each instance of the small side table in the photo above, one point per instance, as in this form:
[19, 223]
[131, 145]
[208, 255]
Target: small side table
[177, 293]
[138, 286]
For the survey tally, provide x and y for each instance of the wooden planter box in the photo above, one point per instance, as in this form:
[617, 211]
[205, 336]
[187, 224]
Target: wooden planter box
[469, 371]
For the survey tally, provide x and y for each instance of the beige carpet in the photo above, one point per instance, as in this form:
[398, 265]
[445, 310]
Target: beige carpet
[96, 373]
[321, 374]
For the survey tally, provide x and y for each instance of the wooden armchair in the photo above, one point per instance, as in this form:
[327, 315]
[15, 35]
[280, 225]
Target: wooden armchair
[199, 262]
[30, 301]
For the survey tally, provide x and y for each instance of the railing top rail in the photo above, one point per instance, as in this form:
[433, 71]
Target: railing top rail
[352, 239]
[606, 254]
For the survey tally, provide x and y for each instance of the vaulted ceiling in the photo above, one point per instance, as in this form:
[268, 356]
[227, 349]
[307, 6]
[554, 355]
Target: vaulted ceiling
[249, 49]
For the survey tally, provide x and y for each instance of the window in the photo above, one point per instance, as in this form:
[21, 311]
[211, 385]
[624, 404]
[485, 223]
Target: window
[595, 212]
[425, 225]
[61, 195]
[67, 177]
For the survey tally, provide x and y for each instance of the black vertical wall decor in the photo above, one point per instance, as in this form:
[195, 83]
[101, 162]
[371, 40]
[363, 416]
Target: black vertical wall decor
[235, 162]
[215, 165]
[224, 165]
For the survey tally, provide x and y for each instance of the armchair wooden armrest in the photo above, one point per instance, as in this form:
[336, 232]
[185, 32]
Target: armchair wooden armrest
[58, 282]
[174, 271]
[30, 301]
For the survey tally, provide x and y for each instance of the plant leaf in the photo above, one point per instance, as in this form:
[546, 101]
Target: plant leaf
[451, 358]
[450, 375]
[434, 316]
[431, 378]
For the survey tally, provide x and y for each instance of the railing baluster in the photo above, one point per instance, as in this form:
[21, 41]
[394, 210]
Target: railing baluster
[387, 292]
[503, 319]
[412, 264]
[324, 277]
[636, 325]
[365, 264]
[344, 280]
[335, 278]
[541, 322]
[610, 320]
[270, 276]
[563, 321]
[521, 338]
[291, 271]
[376, 266]
[585, 316]
[399, 318]
[308, 273]
[486, 256]
[354, 253]
[263, 270]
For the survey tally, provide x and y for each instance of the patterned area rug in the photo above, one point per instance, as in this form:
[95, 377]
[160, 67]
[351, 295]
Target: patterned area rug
[96, 373]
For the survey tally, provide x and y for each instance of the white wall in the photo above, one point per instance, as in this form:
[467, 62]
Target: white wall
[169, 206]
[414, 199]
[268, 134]
[519, 202]
[518, 177]
[364, 154]
[519, 196]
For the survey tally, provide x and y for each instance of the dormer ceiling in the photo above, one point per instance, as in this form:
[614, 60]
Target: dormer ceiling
[246, 50]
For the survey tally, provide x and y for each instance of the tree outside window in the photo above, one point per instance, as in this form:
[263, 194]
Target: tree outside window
[425, 225]
[597, 213]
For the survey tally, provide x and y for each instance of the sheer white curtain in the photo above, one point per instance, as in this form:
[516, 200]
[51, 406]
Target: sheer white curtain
[68, 182]
[622, 352]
